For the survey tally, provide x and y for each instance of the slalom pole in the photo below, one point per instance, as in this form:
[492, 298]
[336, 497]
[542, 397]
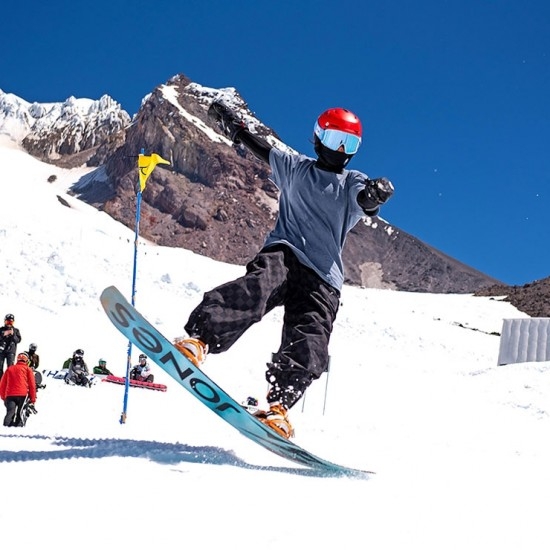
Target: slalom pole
[146, 165]
[133, 301]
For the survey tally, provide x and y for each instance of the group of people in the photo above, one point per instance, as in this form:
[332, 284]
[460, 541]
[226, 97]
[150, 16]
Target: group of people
[78, 373]
[19, 382]
[21, 378]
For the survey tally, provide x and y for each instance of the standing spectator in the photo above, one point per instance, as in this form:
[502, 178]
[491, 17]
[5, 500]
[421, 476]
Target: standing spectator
[78, 370]
[101, 367]
[9, 338]
[16, 384]
[34, 358]
[34, 363]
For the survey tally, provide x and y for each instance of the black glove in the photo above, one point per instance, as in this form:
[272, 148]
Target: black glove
[228, 121]
[376, 192]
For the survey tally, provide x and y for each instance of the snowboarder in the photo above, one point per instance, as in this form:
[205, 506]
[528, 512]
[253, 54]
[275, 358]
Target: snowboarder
[16, 386]
[101, 367]
[9, 338]
[78, 373]
[300, 265]
[142, 372]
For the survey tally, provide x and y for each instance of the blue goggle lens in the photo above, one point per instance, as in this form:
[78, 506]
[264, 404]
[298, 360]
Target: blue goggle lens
[334, 139]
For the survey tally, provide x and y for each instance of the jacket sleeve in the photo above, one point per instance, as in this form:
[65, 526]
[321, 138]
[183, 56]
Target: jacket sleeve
[3, 382]
[16, 336]
[32, 385]
[255, 144]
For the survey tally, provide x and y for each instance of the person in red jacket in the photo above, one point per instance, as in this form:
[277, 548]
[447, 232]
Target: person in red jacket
[17, 383]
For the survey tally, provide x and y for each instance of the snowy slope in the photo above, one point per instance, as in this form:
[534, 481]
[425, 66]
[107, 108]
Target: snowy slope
[459, 445]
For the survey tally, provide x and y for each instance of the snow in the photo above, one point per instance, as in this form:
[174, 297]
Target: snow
[460, 446]
[171, 95]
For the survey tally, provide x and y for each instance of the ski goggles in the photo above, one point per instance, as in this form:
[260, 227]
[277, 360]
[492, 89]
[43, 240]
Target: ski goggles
[334, 139]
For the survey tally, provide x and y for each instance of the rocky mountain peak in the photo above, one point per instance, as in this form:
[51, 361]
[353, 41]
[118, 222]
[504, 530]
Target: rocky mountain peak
[67, 132]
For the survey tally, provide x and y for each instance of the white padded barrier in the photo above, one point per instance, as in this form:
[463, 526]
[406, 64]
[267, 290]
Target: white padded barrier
[524, 340]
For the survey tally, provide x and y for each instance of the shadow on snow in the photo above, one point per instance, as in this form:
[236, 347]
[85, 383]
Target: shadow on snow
[156, 451]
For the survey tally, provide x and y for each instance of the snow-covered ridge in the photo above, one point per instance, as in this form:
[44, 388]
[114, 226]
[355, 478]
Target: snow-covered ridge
[74, 120]
[234, 101]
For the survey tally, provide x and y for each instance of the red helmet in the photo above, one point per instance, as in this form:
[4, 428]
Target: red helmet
[338, 128]
[23, 356]
[340, 119]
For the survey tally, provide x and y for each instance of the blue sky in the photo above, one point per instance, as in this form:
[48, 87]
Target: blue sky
[453, 95]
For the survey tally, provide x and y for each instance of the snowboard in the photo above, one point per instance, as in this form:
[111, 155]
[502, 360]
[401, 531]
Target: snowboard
[61, 373]
[57, 374]
[160, 350]
[135, 383]
[26, 410]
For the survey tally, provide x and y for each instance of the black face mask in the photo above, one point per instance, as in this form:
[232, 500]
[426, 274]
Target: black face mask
[332, 161]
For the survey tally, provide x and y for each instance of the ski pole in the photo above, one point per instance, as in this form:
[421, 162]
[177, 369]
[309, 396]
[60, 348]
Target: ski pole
[326, 387]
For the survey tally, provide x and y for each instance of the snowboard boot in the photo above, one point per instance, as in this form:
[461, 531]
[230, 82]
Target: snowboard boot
[194, 349]
[277, 419]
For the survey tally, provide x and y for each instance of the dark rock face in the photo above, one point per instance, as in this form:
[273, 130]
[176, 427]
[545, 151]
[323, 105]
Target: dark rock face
[531, 298]
[213, 199]
[378, 255]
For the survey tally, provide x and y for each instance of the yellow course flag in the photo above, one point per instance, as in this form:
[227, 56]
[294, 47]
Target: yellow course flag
[146, 165]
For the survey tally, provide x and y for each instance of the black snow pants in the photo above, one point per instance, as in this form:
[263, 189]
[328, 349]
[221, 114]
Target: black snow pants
[274, 278]
[14, 404]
